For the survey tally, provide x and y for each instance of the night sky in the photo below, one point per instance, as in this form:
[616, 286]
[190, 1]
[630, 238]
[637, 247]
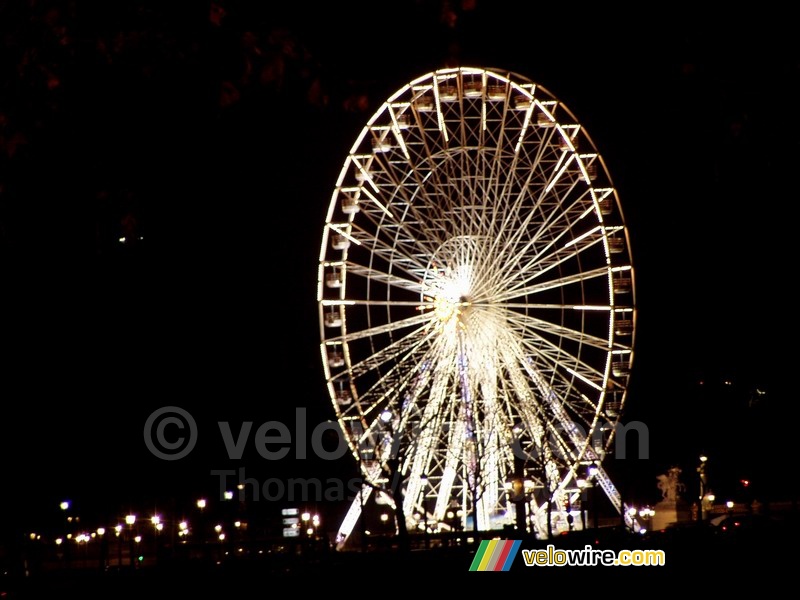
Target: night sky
[215, 133]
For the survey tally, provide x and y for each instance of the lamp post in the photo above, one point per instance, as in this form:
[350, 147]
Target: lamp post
[130, 520]
[64, 508]
[588, 489]
[221, 536]
[581, 483]
[701, 471]
[201, 504]
[118, 535]
[593, 491]
[103, 539]
[158, 525]
[708, 502]
[183, 531]
[305, 532]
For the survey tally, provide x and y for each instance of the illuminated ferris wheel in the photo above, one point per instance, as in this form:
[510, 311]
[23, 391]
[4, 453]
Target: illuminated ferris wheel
[476, 304]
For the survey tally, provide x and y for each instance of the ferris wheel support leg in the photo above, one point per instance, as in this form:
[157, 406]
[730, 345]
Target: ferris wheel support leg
[352, 516]
[616, 499]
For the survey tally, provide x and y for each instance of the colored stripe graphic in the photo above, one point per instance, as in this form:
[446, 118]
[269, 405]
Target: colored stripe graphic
[495, 555]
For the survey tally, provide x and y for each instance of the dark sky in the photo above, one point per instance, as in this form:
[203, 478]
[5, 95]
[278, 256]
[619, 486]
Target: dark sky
[216, 136]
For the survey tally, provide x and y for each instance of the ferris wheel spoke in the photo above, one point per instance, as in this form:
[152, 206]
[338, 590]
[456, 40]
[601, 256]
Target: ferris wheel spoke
[390, 279]
[480, 193]
[560, 282]
[424, 436]
[496, 217]
[537, 415]
[351, 336]
[533, 412]
[547, 198]
[401, 379]
[525, 322]
[558, 228]
[548, 258]
[562, 363]
[398, 205]
[559, 362]
[559, 383]
[510, 213]
[406, 346]
[397, 381]
[567, 408]
[523, 261]
[467, 192]
[432, 144]
[417, 304]
[572, 207]
[556, 251]
[553, 306]
[410, 375]
[406, 231]
[404, 252]
[403, 195]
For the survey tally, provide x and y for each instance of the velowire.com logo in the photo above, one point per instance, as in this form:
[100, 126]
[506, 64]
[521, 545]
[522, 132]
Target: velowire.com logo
[495, 555]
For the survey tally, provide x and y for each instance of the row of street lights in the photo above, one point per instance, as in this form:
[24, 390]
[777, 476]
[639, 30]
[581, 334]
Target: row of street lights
[130, 531]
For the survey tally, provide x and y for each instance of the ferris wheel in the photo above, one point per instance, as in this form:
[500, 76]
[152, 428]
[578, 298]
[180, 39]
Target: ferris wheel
[476, 304]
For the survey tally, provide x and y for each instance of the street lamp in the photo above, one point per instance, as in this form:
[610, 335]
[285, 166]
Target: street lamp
[201, 504]
[707, 503]
[117, 533]
[305, 517]
[130, 520]
[701, 471]
[591, 484]
[581, 483]
[64, 508]
[101, 534]
[158, 525]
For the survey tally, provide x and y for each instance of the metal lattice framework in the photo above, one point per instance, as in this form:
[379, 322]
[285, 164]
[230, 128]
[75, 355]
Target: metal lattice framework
[476, 301]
